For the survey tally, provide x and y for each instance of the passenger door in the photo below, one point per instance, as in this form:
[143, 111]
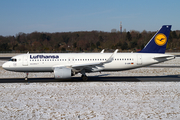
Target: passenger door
[139, 59]
[25, 60]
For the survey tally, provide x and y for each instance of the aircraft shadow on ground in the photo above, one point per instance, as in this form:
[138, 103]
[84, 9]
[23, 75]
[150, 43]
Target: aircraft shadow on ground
[169, 78]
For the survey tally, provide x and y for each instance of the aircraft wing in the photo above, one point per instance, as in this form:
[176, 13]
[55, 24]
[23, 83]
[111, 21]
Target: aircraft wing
[110, 59]
[86, 64]
[89, 65]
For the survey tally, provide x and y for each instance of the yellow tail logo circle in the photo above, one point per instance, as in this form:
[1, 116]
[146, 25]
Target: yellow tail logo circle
[160, 39]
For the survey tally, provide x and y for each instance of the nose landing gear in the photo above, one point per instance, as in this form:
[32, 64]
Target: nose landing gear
[26, 78]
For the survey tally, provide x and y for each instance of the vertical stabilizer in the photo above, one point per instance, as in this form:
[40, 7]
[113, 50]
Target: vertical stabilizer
[158, 42]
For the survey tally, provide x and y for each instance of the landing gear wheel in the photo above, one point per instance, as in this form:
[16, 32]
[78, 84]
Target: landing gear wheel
[84, 77]
[26, 78]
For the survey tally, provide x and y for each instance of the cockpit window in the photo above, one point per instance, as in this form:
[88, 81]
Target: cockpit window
[13, 59]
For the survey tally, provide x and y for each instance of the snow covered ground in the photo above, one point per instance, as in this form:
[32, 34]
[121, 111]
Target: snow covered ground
[92, 100]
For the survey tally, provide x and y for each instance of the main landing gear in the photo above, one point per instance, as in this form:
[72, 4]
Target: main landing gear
[84, 77]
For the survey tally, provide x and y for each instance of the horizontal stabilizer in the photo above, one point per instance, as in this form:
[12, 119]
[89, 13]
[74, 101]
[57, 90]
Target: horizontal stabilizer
[161, 57]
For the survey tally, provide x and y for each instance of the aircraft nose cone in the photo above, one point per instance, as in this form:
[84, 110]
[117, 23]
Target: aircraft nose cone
[5, 66]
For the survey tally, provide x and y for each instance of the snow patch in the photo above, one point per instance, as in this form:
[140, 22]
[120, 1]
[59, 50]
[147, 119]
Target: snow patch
[92, 100]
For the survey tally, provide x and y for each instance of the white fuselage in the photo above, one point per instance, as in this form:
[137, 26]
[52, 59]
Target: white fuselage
[41, 62]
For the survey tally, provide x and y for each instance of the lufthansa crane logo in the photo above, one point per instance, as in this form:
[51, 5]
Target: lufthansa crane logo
[160, 39]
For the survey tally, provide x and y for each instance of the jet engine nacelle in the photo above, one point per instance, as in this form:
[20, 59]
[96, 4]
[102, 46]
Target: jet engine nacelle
[62, 73]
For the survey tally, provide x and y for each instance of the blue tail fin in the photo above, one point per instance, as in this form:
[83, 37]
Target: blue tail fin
[158, 42]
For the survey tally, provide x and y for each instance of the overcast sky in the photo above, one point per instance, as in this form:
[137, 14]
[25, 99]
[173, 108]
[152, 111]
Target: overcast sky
[86, 15]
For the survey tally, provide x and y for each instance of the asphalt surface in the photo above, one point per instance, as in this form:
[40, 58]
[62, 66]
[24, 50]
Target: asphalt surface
[169, 78]
[5, 58]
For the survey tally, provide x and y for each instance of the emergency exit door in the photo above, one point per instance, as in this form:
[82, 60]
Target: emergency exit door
[139, 59]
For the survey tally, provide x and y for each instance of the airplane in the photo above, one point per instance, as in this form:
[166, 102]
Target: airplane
[66, 65]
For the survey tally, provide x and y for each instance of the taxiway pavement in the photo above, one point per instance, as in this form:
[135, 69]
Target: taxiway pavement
[168, 78]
